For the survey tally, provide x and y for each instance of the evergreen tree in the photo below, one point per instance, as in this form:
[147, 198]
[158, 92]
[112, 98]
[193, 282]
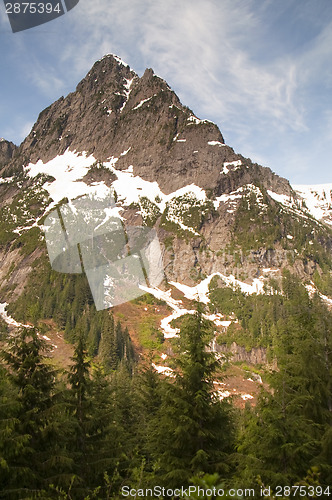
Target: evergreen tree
[320, 385]
[126, 417]
[79, 379]
[147, 386]
[129, 351]
[13, 444]
[283, 436]
[94, 331]
[108, 343]
[124, 347]
[192, 431]
[37, 416]
[96, 433]
[106, 439]
[120, 345]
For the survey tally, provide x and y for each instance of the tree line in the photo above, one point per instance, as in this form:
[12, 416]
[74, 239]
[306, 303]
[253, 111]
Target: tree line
[88, 431]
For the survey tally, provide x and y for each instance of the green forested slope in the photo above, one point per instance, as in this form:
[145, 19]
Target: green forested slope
[98, 428]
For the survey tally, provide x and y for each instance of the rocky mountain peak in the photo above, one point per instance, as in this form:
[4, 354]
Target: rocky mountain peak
[110, 72]
[167, 168]
[113, 110]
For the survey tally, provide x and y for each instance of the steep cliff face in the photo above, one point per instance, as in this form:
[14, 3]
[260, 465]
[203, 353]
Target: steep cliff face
[7, 150]
[113, 110]
[214, 210]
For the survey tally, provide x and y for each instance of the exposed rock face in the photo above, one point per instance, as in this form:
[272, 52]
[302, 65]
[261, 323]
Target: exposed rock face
[113, 110]
[15, 269]
[7, 150]
[256, 355]
[140, 121]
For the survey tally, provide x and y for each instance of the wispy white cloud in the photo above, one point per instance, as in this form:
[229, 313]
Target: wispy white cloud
[315, 62]
[20, 129]
[213, 54]
[25, 129]
[48, 80]
[200, 47]
[4, 22]
[203, 49]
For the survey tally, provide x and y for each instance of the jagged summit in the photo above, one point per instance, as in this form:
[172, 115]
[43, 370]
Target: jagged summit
[113, 56]
[114, 110]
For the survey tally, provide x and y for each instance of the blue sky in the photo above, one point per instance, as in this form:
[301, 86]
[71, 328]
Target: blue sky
[260, 69]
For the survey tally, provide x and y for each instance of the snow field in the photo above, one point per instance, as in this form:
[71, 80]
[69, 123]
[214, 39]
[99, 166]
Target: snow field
[8, 319]
[318, 199]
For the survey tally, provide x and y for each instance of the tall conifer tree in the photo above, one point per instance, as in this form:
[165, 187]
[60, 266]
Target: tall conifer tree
[192, 431]
[36, 425]
[108, 343]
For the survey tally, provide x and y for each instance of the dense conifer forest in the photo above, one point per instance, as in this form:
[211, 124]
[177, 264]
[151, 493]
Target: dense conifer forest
[100, 426]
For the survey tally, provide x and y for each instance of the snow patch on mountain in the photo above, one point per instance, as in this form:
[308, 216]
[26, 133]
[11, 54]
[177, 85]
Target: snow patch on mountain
[220, 394]
[292, 205]
[6, 180]
[20, 229]
[196, 121]
[130, 189]
[164, 370]
[215, 143]
[312, 290]
[117, 58]
[230, 166]
[127, 90]
[245, 397]
[168, 331]
[200, 291]
[281, 198]
[231, 198]
[235, 163]
[143, 102]
[126, 151]
[70, 168]
[318, 200]
[313, 201]
[235, 195]
[8, 319]
[178, 311]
